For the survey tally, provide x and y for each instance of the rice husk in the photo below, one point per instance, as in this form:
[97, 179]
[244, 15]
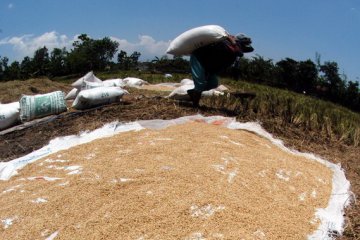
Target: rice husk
[190, 181]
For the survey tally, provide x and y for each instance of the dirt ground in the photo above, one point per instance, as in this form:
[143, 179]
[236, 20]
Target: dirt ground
[147, 105]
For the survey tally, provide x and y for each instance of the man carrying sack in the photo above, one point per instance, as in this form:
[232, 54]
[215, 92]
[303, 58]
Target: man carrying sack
[208, 61]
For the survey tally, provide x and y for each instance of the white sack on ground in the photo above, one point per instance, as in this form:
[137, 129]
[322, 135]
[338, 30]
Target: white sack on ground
[42, 105]
[72, 94]
[180, 93]
[221, 88]
[186, 81]
[211, 92]
[134, 82]
[9, 114]
[117, 82]
[90, 85]
[90, 77]
[98, 96]
[187, 42]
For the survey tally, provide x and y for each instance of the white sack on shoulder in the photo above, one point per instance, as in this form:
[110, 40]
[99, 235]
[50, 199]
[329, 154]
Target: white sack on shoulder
[134, 82]
[9, 114]
[90, 77]
[187, 42]
[98, 96]
[117, 82]
[42, 105]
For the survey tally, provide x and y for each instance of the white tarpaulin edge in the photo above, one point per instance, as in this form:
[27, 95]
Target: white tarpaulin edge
[331, 217]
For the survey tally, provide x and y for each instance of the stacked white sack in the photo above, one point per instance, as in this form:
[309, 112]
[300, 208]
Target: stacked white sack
[79, 84]
[187, 42]
[89, 77]
[98, 96]
[89, 81]
[9, 114]
[84, 86]
[72, 94]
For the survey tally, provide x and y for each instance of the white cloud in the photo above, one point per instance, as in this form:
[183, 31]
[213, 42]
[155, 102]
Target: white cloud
[27, 44]
[10, 6]
[146, 45]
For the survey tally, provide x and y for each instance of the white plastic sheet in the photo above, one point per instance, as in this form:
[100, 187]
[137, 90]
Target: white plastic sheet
[331, 217]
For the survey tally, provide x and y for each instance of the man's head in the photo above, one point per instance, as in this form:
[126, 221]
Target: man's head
[244, 42]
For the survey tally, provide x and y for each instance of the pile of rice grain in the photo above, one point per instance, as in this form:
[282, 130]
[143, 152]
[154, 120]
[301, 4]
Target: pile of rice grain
[190, 181]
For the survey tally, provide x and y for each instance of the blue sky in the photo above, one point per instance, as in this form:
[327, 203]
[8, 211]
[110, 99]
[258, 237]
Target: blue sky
[279, 28]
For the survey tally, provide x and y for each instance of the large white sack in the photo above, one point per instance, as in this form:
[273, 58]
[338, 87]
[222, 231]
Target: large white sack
[42, 105]
[180, 93]
[72, 94]
[98, 96]
[187, 42]
[9, 114]
[186, 81]
[117, 82]
[90, 77]
[211, 92]
[222, 88]
[134, 82]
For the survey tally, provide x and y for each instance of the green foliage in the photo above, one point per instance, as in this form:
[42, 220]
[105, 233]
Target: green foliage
[166, 65]
[89, 54]
[126, 62]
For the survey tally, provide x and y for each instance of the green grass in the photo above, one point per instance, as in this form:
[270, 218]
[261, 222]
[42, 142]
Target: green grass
[328, 119]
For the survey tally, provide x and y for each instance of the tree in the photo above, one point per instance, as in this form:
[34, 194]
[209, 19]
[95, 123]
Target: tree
[27, 68]
[352, 96]
[41, 62]
[287, 73]
[3, 66]
[126, 62]
[57, 66]
[123, 60]
[89, 54]
[134, 59]
[261, 70]
[175, 65]
[333, 81]
[306, 76]
[13, 71]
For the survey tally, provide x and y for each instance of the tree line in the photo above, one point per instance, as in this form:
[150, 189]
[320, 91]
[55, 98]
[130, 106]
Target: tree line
[317, 79]
[321, 80]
